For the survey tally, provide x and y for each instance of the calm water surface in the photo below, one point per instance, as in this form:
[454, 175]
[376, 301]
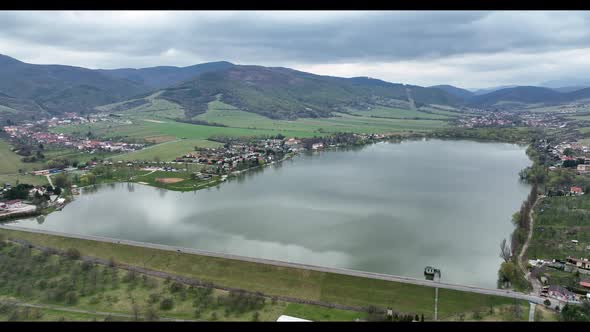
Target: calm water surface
[388, 207]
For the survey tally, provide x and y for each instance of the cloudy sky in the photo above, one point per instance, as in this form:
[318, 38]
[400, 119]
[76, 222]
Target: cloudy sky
[468, 48]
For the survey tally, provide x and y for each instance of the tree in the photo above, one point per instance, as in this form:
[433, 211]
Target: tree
[151, 314]
[71, 297]
[568, 152]
[505, 251]
[256, 316]
[62, 181]
[167, 304]
[73, 253]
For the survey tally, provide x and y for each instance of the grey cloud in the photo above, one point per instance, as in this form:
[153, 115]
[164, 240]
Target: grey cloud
[250, 37]
[494, 46]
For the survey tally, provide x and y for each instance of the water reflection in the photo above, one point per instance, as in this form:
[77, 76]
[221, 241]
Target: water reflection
[390, 208]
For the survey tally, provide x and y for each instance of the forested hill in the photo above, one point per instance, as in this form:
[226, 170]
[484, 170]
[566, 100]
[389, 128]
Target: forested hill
[284, 93]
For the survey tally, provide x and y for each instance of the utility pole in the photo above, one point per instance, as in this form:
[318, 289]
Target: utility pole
[435, 303]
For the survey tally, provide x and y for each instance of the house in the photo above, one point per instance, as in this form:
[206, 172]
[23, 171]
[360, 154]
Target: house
[583, 168]
[585, 283]
[317, 146]
[13, 204]
[561, 293]
[576, 191]
[583, 263]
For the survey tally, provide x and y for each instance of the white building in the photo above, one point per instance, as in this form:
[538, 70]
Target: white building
[285, 318]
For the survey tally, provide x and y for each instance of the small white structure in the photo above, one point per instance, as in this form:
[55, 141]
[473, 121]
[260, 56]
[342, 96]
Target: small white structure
[285, 318]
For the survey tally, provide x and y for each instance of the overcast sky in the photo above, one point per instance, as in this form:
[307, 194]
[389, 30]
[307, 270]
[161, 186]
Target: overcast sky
[468, 49]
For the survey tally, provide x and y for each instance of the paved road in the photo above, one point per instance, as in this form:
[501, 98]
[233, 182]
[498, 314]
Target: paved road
[80, 311]
[532, 312]
[363, 274]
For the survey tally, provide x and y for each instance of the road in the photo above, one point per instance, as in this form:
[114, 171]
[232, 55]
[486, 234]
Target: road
[355, 273]
[532, 312]
[534, 281]
[80, 311]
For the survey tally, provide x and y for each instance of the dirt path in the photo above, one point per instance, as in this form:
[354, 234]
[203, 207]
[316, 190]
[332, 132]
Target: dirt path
[527, 274]
[146, 174]
[50, 182]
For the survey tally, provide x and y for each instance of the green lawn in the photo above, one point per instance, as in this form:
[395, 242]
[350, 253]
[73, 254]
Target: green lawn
[274, 280]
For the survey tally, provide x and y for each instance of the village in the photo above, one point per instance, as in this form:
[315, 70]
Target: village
[37, 132]
[500, 118]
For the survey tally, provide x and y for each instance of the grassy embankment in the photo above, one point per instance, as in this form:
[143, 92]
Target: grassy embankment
[61, 283]
[273, 280]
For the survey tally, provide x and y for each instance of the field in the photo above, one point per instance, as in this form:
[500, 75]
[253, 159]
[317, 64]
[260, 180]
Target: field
[167, 151]
[558, 220]
[397, 113]
[240, 123]
[10, 162]
[273, 280]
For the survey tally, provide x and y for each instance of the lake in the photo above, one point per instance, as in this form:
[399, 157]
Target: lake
[387, 207]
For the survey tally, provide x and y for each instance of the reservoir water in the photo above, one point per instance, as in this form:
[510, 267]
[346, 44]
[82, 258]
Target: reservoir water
[388, 207]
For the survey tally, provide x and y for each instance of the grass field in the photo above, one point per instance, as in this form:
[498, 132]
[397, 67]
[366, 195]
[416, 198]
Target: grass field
[30, 179]
[6, 109]
[397, 113]
[315, 313]
[168, 150]
[10, 162]
[157, 108]
[275, 280]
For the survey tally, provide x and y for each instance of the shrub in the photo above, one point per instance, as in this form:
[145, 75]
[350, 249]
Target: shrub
[73, 253]
[176, 287]
[153, 298]
[166, 304]
[71, 297]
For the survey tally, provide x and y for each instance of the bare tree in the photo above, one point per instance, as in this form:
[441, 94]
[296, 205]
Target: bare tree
[505, 251]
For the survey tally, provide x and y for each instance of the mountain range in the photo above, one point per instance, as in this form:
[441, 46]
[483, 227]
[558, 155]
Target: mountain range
[32, 90]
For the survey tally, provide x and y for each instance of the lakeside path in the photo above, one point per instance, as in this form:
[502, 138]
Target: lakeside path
[534, 282]
[362, 274]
